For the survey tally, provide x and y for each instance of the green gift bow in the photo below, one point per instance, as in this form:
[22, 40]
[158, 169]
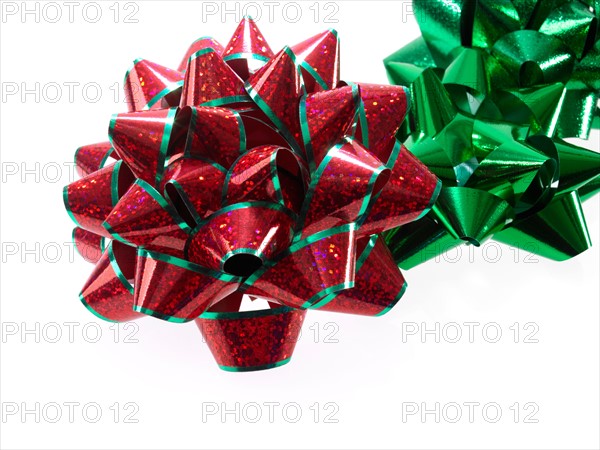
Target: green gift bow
[496, 87]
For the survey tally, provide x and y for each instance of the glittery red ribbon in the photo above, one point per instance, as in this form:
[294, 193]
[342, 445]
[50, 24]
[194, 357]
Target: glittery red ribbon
[247, 172]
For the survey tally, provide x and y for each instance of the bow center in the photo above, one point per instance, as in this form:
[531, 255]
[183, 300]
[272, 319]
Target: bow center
[242, 264]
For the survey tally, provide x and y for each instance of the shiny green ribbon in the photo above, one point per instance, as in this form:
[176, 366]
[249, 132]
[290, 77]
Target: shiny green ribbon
[497, 86]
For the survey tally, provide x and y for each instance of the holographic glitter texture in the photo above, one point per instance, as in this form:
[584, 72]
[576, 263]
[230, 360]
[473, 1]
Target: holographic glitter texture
[243, 175]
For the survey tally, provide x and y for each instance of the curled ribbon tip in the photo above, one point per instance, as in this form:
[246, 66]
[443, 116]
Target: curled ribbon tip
[247, 174]
[497, 88]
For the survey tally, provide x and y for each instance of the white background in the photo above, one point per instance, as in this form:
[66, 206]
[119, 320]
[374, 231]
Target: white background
[368, 376]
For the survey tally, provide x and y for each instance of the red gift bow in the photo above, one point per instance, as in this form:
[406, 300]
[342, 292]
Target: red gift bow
[247, 172]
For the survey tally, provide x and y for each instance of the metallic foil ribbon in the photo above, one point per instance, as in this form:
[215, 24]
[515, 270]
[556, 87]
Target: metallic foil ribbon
[247, 172]
[497, 87]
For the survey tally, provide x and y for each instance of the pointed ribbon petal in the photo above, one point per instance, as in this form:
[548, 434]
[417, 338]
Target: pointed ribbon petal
[252, 340]
[319, 58]
[143, 218]
[481, 213]
[420, 241]
[193, 185]
[382, 110]
[92, 157]
[89, 245]
[145, 151]
[309, 270]
[553, 238]
[91, 199]
[409, 194]
[177, 290]
[342, 189]
[147, 83]
[247, 50]
[325, 119]
[209, 81]
[108, 293]
[241, 237]
[378, 284]
[214, 133]
[199, 44]
[276, 89]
